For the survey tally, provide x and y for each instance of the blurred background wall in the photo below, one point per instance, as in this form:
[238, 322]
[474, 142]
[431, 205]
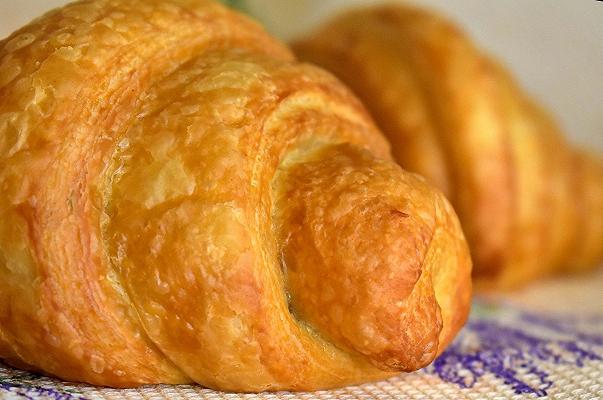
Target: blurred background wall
[555, 47]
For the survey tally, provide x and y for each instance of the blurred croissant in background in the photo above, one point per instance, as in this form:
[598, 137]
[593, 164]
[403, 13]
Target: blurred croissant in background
[529, 203]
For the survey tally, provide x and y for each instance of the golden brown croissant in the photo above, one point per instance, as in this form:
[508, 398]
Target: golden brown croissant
[529, 204]
[182, 201]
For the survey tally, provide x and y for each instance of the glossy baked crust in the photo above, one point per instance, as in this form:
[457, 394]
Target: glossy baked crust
[529, 203]
[182, 201]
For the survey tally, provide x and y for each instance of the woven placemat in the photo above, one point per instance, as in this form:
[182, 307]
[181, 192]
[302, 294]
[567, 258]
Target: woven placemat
[545, 341]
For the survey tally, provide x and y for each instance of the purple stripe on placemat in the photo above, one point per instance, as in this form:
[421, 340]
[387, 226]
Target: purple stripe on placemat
[519, 349]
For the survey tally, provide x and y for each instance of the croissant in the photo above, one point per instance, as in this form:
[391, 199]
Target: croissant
[529, 204]
[182, 201]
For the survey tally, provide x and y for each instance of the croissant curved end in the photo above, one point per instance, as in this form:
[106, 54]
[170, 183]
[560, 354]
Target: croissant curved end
[363, 241]
[184, 202]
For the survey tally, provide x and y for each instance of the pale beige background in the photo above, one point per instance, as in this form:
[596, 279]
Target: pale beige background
[555, 47]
